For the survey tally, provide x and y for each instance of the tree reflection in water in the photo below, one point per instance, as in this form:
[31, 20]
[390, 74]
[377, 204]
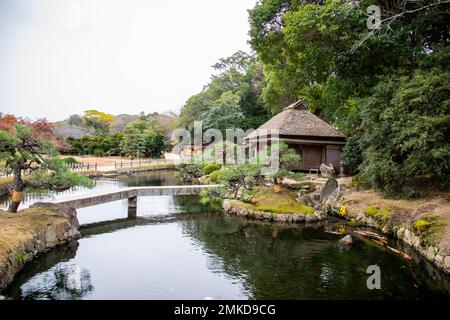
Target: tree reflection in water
[61, 282]
[52, 276]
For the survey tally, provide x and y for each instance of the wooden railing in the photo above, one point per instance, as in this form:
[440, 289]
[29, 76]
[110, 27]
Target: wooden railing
[141, 162]
[94, 166]
[82, 166]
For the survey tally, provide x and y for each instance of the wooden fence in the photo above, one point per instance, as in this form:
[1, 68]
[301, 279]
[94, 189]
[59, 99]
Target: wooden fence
[83, 166]
[94, 166]
[141, 162]
[72, 167]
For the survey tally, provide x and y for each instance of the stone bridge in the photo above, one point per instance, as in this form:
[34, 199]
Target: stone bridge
[131, 194]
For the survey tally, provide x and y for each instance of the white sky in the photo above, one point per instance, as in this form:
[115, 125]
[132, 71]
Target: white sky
[124, 56]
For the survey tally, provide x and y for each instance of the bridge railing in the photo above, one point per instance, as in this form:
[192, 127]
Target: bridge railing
[131, 194]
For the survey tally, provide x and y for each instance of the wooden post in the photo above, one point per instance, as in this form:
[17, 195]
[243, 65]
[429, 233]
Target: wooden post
[132, 208]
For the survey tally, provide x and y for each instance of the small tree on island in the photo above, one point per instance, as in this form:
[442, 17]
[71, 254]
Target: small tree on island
[24, 150]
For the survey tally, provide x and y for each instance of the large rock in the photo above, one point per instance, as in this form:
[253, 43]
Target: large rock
[306, 200]
[327, 189]
[69, 212]
[346, 241]
[327, 170]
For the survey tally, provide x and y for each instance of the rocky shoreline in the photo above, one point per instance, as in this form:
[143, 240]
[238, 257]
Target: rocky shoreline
[439, 256]
[50, 226]
[230, 207]
[329, 201]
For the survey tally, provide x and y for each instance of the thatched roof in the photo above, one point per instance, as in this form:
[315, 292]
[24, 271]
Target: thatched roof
[297, 120]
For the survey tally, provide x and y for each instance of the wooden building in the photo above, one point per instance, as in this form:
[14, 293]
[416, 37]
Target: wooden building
[312, 138]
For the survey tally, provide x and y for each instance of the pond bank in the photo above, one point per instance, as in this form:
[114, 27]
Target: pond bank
[33, 231]
[237, 208]
[422, 224]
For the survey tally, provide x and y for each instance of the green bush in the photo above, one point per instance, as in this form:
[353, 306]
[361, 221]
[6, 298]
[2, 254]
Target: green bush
[210, 168]
[426, 223]
[189, 172]
[214, 176]
[70, 161]
[406, 132]
[378, 213]
[99, 153]
[352, 155]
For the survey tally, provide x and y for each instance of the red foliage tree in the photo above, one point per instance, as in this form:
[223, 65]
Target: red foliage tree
[42, 129]
[7, 122]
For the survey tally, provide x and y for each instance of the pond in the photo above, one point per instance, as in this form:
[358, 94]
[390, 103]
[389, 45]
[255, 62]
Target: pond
[181, 249]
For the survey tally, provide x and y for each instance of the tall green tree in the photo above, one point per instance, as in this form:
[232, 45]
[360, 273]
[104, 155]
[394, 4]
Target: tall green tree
[133, 142]
[240, 74]
[407, 121]
[313, 50]
[143, 139]
[361, 79]
[224, 113]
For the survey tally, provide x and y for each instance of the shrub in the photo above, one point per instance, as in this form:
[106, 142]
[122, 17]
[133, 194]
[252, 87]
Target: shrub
[99, 152]
[214, 176]
[241, 181]
[427, 223]
[352, 155]
[378, 213]
[210, 168]
[422, 225]
[405, 132]
[70, 160]
[189, 171]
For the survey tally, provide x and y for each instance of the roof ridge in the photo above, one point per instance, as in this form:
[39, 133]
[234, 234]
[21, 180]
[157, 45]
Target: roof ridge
[299, 105]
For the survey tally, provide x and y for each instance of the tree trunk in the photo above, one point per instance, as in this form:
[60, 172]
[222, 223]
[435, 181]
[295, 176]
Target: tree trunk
[18, 187]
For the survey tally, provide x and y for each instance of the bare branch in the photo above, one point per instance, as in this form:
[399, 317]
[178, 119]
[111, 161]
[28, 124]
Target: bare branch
[391, 19]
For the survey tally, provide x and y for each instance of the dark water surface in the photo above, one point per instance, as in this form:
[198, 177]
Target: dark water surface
[180, 249]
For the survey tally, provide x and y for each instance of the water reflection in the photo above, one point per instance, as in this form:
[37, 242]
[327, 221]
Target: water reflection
[57, 277]
[180, 249]
[156, 178]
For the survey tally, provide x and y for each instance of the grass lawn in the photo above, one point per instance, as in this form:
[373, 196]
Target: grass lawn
[278, 202]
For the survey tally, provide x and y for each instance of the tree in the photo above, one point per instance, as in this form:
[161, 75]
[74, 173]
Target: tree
[352, 155]
[407, 131]
[24, 149]
[100, 121]
[143, 139]
[240, 74]
[133, 143]
[241, 181]
[75, 120]
[7, 122]
[224, 114]
[306, 48]
[362, 80]
[155, 145]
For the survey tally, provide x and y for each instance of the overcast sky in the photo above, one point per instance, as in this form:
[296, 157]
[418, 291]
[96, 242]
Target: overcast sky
[60, 57]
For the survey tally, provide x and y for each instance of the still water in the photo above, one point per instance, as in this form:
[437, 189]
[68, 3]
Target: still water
[181, 249]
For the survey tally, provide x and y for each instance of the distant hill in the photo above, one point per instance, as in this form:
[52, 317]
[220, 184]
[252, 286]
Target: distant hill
[166, 121]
